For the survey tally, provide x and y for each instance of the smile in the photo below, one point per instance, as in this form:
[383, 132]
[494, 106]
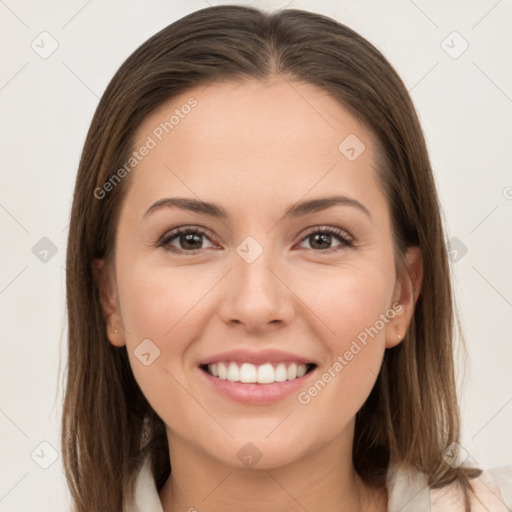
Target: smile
[249, 373]
[257, 384]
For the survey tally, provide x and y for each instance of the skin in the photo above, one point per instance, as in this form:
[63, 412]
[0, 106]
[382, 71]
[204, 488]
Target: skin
[255, 148]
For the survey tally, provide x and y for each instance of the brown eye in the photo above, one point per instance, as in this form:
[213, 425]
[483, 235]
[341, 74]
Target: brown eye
[186, 240]
[321, 239]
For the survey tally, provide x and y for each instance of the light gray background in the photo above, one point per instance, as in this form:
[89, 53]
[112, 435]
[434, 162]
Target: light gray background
[465, 105]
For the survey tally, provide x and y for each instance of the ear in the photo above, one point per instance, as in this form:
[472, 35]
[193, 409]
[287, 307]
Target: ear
[109, 305]
[407, 290]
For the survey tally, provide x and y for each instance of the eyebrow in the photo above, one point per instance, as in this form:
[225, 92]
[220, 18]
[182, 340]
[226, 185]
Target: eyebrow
[296, 210]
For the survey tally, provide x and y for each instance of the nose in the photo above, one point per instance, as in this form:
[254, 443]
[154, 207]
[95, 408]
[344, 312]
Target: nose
[256, 295]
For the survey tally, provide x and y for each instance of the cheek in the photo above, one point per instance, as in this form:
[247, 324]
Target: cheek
[353, 305]
[162, 305]
[156, 300]
[347, 300]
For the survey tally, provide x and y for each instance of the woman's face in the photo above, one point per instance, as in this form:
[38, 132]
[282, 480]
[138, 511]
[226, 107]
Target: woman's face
[263, 284]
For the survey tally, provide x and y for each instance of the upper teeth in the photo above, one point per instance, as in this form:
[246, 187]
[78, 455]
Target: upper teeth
[262, 374]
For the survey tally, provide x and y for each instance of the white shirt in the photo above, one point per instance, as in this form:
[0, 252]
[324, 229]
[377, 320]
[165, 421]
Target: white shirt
[407, 492]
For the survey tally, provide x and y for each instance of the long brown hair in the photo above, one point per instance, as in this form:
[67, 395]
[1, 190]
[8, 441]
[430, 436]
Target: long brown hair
[412, 413]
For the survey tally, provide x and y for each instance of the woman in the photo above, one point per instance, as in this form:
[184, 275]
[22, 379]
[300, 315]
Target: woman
[258, 287]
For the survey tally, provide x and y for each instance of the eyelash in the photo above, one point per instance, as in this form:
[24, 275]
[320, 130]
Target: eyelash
[165, 241]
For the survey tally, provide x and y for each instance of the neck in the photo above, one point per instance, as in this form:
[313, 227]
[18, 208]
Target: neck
[323, 480]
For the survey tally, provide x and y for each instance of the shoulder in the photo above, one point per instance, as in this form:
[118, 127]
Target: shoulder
[492, 492]
[408, 492]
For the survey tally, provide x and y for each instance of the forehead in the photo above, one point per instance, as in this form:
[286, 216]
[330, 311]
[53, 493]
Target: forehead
[277, 137]
[253, 112]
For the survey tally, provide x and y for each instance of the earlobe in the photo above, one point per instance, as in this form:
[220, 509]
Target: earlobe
[395, 330]
[116, 335]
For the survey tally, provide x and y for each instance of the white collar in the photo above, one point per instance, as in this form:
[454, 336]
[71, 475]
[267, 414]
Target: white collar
[408, 491]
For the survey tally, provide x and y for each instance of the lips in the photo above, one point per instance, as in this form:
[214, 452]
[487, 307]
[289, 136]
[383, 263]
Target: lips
[255, 368]
[273, 390]
[257, 357]
[275, 381]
